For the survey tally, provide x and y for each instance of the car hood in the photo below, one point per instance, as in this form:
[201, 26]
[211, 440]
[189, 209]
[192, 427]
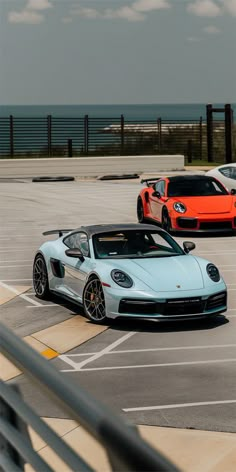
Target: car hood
[162, 274]
[208, 205]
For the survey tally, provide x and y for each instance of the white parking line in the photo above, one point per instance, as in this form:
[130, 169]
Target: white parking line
[167, 364]
[15, 260]
[18, 265]
[178, 405]
[156, 349]
[25, 249]
[15, 280]
[98, 354]
[21, 295]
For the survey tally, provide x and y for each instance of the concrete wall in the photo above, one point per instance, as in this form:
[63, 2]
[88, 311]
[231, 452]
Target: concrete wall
[89, 166]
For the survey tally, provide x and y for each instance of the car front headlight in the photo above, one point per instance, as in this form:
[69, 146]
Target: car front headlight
[121, 278]
[213, 272]
[179, 207]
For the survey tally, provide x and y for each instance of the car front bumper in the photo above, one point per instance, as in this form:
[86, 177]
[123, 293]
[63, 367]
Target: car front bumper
[203, 224]
[188, 304]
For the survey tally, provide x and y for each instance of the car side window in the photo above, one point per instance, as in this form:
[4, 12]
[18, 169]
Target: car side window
[229, 172]
[78, 241]
[160, 187]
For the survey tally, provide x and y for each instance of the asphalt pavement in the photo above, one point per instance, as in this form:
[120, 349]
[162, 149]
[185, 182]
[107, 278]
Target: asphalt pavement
[179, 374]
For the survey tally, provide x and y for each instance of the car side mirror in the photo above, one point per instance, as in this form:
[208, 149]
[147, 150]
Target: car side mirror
[76, 253]
[188, 246]
[156, 194]
[233, 191]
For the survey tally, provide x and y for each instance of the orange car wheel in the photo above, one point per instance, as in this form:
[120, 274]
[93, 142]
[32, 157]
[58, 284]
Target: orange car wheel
[166, 221]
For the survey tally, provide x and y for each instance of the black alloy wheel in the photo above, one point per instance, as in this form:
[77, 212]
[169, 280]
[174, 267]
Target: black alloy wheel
[94, 301]
[140, 211]
[40, 278]
[166, 222]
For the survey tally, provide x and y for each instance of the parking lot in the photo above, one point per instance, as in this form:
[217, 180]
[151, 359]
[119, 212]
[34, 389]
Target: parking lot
[173, 374]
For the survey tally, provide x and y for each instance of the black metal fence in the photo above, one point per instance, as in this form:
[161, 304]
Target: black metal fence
[126, 450]
[85, 136]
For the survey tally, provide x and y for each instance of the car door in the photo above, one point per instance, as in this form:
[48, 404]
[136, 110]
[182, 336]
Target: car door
[156, 203]
[76, 270]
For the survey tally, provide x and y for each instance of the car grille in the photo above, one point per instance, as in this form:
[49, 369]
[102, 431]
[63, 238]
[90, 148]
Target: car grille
[216, 301]
[183, 306]
[187, 222]
[174, 306]
[221, 225]
[139, 307]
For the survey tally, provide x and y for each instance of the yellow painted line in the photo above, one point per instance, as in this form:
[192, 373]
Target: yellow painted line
[69, 334]
[50, 353]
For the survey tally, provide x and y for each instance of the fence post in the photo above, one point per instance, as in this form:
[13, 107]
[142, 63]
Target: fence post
[159, 127]
[11, 136]
[70, 148]
[200, 137]
[228, 133]
[122, 141]
[190, 150]
[209, 133]
[10, 416]
[49, 131]
[86, 134]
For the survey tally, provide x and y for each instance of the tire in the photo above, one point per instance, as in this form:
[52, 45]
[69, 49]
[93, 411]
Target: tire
[119, 177]
[140, 211]
[40, 278]
[53, 179]
[94, 301]
[166, 221]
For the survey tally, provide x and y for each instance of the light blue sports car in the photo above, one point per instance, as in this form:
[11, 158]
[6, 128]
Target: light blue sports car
[128, 270]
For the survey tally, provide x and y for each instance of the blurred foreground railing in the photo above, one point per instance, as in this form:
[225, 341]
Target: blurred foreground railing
[125, 449]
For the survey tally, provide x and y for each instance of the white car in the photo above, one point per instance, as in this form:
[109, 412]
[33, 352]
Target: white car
[225, 174]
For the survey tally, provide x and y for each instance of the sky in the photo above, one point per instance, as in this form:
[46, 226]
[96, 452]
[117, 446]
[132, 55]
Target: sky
[117, 51]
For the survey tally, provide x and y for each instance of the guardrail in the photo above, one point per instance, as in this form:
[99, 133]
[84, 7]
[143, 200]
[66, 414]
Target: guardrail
[87, 136]
[126, 450]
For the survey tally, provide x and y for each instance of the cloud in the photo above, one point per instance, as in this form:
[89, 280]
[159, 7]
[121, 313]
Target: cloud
[27, 17]
[135, 11]
[30, 14]
[229, 6]
[124, 13]
[38, 5]
[211, 29]
[193, 39]
[150, 5]
[205, 8]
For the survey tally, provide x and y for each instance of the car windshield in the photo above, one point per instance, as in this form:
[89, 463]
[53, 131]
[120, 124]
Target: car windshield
[135, 244]
[205, 187]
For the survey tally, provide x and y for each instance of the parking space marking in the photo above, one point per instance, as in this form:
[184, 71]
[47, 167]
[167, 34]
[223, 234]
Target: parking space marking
[100, 353]
[19, 294]
[16, 260]
[155, 349]
[15, 280]
[142, 366]
[11, 266]
[178, 405]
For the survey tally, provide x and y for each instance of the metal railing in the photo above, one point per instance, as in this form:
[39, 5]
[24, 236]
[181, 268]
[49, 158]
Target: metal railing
[125, 449]
[49, 136]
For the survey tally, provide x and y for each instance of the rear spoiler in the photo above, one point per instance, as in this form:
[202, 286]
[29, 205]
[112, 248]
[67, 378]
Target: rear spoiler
[60, 232]
[149, 182]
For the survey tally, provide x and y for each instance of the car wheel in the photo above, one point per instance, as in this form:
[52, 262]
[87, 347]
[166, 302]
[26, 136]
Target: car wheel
[40, 278]
[166, 221]
[140, 211]
[94, 301]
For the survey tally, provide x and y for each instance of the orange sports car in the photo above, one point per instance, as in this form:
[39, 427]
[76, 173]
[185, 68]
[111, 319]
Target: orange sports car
[188, 203]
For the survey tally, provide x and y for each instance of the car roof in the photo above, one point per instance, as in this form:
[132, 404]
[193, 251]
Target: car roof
[180, 178]
[106, 228]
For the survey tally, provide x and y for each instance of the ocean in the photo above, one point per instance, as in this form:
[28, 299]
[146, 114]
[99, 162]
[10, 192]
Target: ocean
[172, 112]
